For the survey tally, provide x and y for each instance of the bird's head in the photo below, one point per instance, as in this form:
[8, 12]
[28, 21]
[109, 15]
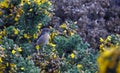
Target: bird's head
[45, 30]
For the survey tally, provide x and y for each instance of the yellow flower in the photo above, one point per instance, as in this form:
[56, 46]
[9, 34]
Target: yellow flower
[46, 12]
[29, 2]
[31, 10]
[101, 40]
[21, 11]
[7, 64]
[51, 44]
[3, 32]
[37, 47]
[19, 49]
[64, 31]
[79, 66]
[38, 2]
[118, 68]
[22, 3]
[26, 36]
[71, 33]
[13, 52]
[43, 1]
[109, 38]
[53, 50]
[0, 12]
[72, 55]
[22, 68]
[49, 3]
[39, 25]
[2, 67]
[0, 41]
[10, 14]
[4, 4]
[109, 52]
[64, 26]
[16, 18]
[15, 31]
[54, 56]
[35, 36]
[53, 34]
[101, 46]
[107, 60]
[0, 37]
[1, 60]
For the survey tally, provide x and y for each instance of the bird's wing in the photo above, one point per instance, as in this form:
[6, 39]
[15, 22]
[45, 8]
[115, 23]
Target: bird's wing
[40, 40]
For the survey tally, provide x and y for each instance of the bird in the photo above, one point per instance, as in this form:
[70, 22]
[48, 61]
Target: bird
[43, 38]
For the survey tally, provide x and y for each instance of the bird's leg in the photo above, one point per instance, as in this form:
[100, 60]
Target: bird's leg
[38, 52]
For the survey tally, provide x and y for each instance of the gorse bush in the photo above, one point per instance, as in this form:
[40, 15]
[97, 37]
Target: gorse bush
[108, 61]
[76, 55]
[20, 24]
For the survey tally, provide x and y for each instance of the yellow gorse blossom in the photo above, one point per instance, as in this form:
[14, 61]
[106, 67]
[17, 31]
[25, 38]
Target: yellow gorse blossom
[7, 64]
[108, 38]
[2, 33]
[35, 36]
[39, 2]
[51, 44]
[71, 33]
[72, 55]
[26, 36]
[79, 66]
[39, 25]
[43, 1]
[2, 67]
[1, 60]
[24, 1]
[22, 68]
[109, 43]
[37, 47]
[64, 26]
[49, 3]
[53, 50]
[31, 10]
[16, 18]
[15, 31]
[13, 52]
[0, 12]
[65, 31]
[52, 35]
[118, 68]
[0, 36]
[4, 4]
[19, 49]
[54, 56]
[108, 59]
[101, 40]
[46, 12]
